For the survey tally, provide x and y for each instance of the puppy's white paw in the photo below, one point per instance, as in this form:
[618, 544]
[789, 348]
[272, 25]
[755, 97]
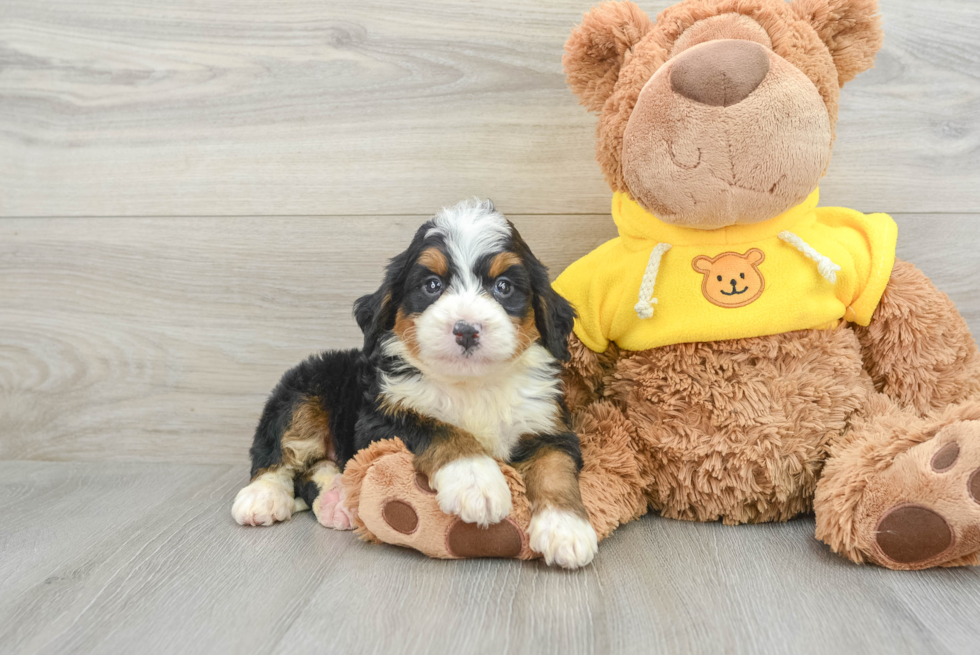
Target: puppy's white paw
[473, 489]
[263, 502]
[563, 538]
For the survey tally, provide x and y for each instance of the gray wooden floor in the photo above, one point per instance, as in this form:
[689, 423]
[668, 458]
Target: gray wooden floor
[192, 194]
[144, 557]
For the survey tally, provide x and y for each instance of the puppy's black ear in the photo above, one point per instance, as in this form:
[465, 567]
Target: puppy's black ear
[371, 313]
[375, 312]
[554, 317]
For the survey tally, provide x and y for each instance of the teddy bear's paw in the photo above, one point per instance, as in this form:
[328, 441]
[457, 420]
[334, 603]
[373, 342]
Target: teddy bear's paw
[330, 507]
[924, 510]
[398, 505]
[263, 502]
[563, 538]
[474, 489]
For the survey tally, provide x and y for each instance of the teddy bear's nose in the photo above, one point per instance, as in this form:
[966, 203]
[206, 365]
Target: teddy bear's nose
[720, 73]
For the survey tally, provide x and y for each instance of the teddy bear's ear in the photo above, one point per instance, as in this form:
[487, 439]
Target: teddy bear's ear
[597, 48]
[850, 28]
[702, 264]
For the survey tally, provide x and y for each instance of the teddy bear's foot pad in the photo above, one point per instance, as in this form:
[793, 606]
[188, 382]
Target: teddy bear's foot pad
[502, 539]
[398, 506]
[928, 503]
[463, 540]
[911, 533]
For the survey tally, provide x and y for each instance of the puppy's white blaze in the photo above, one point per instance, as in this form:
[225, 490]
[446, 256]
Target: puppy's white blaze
[520, 397]
[471, 230]
[474, 489]
[563, 538]
[437, 343]
[269, 498]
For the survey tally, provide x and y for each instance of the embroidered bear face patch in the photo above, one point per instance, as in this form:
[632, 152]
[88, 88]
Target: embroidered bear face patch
[730, 279]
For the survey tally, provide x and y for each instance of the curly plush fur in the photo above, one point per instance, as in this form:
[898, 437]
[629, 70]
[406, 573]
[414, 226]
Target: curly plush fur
[876, 429]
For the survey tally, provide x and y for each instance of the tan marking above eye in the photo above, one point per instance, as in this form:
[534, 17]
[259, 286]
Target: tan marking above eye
[434, 260]
[502, 261]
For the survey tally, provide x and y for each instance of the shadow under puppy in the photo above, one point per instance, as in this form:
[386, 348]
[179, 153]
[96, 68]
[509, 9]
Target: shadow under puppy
[461, 354]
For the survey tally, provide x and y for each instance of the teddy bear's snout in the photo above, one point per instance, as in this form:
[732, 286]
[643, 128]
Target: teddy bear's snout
[720, 73]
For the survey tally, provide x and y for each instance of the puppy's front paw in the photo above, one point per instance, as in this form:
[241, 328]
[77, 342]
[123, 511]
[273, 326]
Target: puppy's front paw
[263, 502]
[473, 489]
[563, 538]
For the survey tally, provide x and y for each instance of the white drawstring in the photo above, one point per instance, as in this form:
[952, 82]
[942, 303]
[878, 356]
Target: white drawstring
[825, 265]
[644, 308]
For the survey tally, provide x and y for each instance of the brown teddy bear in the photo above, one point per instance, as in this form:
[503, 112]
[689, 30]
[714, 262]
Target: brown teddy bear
[740, 354]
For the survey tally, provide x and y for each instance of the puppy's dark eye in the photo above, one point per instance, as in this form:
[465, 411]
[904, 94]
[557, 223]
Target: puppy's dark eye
[432, 286]
[742, 275]
[503, 288]
[719, 278]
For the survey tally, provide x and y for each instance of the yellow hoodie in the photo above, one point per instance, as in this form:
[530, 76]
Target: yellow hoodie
[659, 284]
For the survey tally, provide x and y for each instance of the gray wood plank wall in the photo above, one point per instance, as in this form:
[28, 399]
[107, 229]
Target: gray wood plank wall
[194, 193]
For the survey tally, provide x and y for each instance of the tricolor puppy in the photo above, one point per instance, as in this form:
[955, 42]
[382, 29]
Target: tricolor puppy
[460, 360]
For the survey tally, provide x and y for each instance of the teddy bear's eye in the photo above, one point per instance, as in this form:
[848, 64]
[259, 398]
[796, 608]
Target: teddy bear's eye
[719, 278]
[742, 275]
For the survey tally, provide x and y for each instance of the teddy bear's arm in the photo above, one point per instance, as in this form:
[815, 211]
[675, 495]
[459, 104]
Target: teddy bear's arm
[918, 348]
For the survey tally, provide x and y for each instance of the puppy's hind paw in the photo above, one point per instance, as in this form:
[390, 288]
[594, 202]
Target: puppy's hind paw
[563, 538]
[474, 489]
[330, 506]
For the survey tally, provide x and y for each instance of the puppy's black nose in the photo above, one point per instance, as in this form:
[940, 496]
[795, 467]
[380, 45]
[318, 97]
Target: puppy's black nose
[467, 334]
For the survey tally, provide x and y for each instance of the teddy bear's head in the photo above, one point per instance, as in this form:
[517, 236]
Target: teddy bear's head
[723, 112]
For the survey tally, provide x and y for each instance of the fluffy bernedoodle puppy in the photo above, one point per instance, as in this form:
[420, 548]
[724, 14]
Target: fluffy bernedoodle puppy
[461, 353]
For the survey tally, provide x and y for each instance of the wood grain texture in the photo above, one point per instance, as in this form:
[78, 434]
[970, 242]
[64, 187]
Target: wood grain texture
[144, 558]
[360, 107]
[158, 339]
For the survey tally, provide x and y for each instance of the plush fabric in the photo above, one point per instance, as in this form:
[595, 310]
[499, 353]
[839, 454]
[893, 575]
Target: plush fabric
[790, 294]
[746, 170]
[392, 503]
[706, 406]
[793, 39]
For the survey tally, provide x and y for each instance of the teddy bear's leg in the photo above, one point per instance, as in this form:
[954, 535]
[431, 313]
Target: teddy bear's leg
[918, 348]
[391, 502]
[610, 481]
[903, 491]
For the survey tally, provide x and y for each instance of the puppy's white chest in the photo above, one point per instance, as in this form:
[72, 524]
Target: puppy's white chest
[497, 412]
[498, 416]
